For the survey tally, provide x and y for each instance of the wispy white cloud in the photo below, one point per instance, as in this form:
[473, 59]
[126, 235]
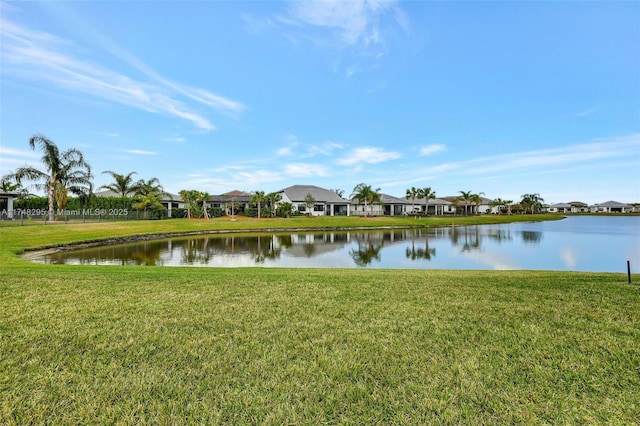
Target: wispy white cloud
[236, 177]
[627, 146]
[305, 170]
[140, 152]
[369, 155]
[325, 148]
[6, 151]
[175, 139]
[597, 156]
[587, 112]
[43, 57]
[362, 27]
[431, 149]
[351, 23]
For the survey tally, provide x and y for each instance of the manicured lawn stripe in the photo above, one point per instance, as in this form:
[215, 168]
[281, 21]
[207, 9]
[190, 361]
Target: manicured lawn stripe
[144, 345]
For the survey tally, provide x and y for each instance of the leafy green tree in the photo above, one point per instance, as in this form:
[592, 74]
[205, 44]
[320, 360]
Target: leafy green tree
[309, 203]
[68, 168]
[258, 198]
[123, 185]
[366, 195]
[413, 194]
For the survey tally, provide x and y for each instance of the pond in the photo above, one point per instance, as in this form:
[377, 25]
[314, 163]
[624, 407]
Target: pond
[577, 243]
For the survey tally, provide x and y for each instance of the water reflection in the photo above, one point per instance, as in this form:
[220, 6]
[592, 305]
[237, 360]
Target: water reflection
[515, 246]
[364, 247]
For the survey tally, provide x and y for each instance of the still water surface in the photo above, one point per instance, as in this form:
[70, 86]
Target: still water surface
[577, 243]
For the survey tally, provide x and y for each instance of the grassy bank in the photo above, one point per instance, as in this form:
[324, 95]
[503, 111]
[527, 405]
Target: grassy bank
[140, 345]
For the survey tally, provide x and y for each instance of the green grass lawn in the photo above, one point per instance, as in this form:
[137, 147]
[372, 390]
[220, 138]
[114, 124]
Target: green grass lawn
[147, 345]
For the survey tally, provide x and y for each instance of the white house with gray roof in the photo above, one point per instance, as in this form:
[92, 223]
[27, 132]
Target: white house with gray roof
[612, 207]
[327, 202]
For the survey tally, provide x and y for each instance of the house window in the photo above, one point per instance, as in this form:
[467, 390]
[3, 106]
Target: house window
[302, 208]
[318, 208]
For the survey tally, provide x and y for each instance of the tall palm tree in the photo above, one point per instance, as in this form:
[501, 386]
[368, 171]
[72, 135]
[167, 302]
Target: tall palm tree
[508, 204]
[68, 168]
[366, 195]
[123, 185]
[203, 197]
[477, 200]
[531, 202]
[427, 194]
[413, 194]
[273, 198]
[190, 199]
[151, 186]
[465, 196]
[258, 198]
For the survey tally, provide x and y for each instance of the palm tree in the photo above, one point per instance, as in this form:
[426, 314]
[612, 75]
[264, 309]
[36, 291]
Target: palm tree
[427, 194]
[508, 204]
[258, 198]
[9, 184]
[67, 168]
[412, 194]
[477, 199]
[285, 209]
[366, 195]
[465, 196]
[151, 186]
[531, 202]
[190, 199]
[203, 197]
[123, 185]
[273, 198]
[499, 203]
[146, 202]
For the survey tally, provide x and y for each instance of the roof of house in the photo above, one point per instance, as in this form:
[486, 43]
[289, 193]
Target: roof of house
[434, 201]
[613, 204]
[560, 206]
[235, 195]
[297, 193]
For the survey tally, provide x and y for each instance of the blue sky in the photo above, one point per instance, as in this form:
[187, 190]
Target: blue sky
[504, 98]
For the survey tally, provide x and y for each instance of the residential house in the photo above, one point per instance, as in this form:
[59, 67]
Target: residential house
[327, 202]
[485, 206]
[438, 206]
[6, 204]
[233, 202]
[559, 208]
[612, 207]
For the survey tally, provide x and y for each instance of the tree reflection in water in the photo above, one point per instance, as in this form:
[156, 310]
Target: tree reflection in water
[425, 253]
[368, 248]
